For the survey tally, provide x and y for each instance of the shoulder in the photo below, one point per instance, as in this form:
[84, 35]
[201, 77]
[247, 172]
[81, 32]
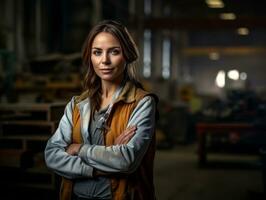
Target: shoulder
[74, 101]
[81, 97]
[148, 100]
[144, 95]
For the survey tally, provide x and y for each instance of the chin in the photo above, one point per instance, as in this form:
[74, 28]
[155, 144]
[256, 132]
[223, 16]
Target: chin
[110, 77]
[107, 78]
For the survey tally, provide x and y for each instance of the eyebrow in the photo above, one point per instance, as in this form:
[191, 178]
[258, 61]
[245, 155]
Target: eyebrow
[115, 47]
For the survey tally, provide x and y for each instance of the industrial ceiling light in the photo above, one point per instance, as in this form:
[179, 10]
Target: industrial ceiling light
[214, 3]
[242, 31]
[243, 76]
[214, 56]
[233, 74]
[220, 79]
[227, 16]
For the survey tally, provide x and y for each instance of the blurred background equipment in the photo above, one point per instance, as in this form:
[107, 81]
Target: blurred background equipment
[24, 131]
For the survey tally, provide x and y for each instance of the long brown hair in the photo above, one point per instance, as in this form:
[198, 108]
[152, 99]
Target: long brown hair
[92, 83]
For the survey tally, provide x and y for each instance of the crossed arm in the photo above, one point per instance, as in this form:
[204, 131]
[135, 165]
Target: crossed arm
[76, 160]
[73, 149]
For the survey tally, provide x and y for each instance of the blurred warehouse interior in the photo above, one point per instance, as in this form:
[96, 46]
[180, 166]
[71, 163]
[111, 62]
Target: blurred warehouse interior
[204, 59]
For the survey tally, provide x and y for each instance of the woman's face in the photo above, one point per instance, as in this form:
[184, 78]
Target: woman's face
[107, 57]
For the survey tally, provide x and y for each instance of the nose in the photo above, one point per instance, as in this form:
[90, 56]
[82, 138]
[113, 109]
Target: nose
[106, 58]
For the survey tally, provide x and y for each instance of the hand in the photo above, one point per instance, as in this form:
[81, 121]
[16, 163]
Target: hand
[127, 134]
[73, 149]
[97, 173]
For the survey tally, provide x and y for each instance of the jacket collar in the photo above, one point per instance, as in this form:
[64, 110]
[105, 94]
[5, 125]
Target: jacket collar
[128, 93]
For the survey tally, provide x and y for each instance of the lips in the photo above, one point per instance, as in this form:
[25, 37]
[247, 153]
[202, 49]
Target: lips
[106, 70]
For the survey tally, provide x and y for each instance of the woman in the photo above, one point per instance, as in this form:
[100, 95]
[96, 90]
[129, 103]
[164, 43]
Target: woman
[105, 144]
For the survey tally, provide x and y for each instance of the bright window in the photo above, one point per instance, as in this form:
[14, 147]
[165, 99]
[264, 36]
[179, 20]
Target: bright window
[166, 60]
[147, 54]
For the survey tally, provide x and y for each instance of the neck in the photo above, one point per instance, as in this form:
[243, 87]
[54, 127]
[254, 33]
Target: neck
[109, 88]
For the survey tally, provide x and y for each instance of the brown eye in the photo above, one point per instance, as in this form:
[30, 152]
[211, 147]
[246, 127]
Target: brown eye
[96, 52]
[115, 52]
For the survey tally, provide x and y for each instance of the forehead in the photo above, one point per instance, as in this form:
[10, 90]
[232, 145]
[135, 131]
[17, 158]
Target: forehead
[105, 40]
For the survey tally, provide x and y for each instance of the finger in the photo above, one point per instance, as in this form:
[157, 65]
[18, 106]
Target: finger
[130, 129]
[120, 138]
[127, 137]
[126, 133]
[125, 140]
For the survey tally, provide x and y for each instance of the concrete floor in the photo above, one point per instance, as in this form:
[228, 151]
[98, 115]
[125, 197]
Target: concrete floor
[178, 177]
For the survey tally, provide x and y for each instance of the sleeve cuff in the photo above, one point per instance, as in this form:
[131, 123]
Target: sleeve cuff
[86, 169]
[83, 151]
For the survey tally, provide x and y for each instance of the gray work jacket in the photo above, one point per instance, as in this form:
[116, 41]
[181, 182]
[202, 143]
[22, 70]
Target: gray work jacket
[117, 158]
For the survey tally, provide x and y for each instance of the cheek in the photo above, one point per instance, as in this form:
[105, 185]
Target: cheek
[94, 65]
[94, 61]
[120, 62]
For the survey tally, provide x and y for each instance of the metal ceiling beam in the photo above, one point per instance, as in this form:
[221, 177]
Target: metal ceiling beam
[233, 50]
[201, 23]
